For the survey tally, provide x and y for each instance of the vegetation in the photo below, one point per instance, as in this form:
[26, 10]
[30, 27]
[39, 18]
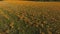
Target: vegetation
[30, 18]
[30, 0]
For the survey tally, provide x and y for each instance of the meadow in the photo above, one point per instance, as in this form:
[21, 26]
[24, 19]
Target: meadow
[29, 17]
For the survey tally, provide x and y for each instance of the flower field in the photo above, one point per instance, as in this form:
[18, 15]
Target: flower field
[27, 17]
